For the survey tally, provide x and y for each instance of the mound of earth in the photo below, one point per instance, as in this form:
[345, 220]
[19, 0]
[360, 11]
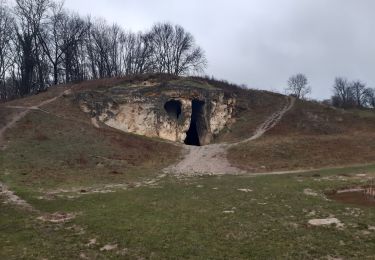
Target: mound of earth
[141, 125]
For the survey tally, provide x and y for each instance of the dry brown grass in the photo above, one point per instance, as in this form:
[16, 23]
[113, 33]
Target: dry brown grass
[310, 118]
[311, 136]
[6, 115]
[40, 136]
[304, 152]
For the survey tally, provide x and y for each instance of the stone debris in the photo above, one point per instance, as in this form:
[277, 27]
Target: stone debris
[109, 247]
[245, 190]
[310, 192]
[91, 242]
[326, 222]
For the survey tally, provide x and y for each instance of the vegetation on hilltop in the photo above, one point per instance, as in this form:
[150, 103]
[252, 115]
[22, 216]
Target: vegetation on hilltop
[42, 44]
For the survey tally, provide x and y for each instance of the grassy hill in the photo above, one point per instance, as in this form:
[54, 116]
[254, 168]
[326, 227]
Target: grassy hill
[126, 207]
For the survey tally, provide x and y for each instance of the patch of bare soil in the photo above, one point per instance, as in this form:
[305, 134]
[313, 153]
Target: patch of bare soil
[11, 198]
[57, 217]
[364, 196]
[204, 160]
[76, 192]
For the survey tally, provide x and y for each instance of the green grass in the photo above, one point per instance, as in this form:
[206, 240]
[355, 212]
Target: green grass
[177, 218]
[185, 219]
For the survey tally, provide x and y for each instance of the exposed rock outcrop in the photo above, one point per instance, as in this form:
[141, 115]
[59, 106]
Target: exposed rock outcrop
[180, 113]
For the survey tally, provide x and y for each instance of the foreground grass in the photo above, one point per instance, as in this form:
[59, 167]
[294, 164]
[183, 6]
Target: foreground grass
[204, 218]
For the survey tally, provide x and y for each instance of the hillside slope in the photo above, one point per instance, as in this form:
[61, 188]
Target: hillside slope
[311, 135]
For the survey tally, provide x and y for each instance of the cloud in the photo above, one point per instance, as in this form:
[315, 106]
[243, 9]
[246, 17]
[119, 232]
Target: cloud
[262, 42]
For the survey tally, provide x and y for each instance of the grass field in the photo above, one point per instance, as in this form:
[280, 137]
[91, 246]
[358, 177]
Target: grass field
[201, 218]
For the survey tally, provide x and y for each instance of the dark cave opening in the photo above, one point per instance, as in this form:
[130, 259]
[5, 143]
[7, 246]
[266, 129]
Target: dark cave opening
[173, 108]
[196, 124]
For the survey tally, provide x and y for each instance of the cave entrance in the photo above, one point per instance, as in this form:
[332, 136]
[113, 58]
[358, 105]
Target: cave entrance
[197, 124]
[173, 108]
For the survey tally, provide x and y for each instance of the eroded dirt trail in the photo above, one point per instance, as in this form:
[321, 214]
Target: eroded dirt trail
[212, 159]
[270, 122]
[9, 196]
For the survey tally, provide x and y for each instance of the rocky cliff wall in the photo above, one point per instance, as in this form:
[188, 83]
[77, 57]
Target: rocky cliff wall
[177, 113]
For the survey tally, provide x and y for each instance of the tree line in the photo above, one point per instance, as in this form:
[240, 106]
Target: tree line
[43, 44]
[346, 94]
[352, 94]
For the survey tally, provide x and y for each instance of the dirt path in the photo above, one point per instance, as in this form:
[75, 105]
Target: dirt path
[23, 113]
[270, 122]
[204, 160]
[212, 159]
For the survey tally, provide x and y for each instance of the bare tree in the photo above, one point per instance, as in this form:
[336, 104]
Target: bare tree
[30, 15]
[58, 39]
[136, 53]
[104, 49]
[42, 44]
[343, 93]
[175, 50]
[370, 97]
[73, 48]
[298, 86]
[359, 93]
[6, 35]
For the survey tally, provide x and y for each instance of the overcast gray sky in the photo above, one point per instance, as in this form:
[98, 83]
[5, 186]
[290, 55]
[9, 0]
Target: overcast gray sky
[261, 43]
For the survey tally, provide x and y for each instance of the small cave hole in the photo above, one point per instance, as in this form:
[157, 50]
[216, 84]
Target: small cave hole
[173, 108]
[196, 123]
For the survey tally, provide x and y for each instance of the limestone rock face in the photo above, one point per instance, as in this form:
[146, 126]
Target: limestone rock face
[177, 113]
